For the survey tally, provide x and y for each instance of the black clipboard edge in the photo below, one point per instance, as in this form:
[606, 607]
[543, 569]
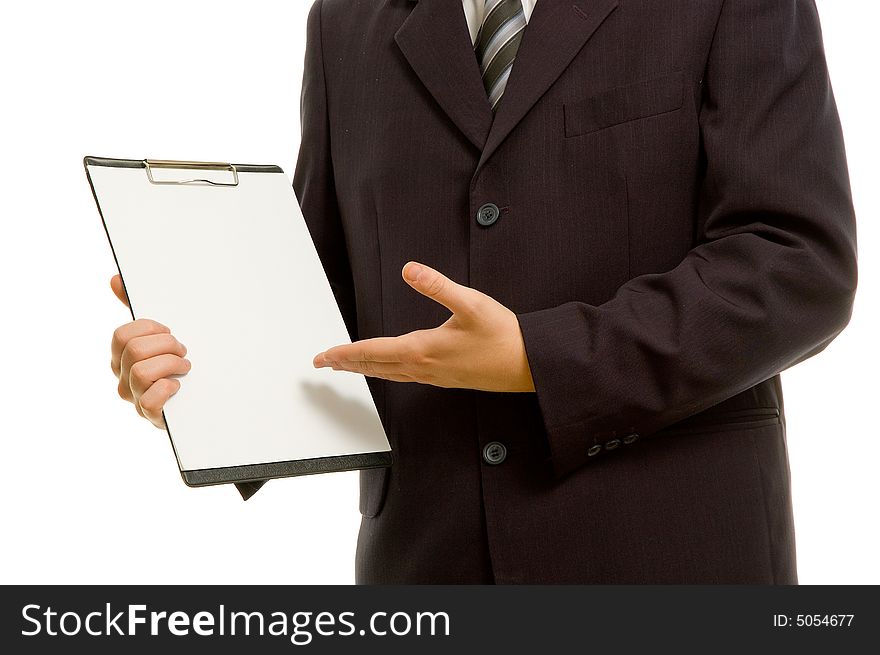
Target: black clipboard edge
[258, 472]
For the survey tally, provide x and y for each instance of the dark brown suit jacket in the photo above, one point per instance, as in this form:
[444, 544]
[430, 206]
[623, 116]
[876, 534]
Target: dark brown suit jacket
[676, 229]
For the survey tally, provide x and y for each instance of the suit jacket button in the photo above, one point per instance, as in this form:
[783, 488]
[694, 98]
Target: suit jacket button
[487, 214]
[611, 445]
[494, 452]
[594, 450]
[630, 438]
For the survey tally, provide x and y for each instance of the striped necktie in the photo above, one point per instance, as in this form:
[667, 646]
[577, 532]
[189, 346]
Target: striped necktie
[497, 43]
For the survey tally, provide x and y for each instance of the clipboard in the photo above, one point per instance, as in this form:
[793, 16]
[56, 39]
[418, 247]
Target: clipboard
[221, 254]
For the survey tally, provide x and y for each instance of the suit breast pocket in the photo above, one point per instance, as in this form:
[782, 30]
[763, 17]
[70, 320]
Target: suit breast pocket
[622, 104]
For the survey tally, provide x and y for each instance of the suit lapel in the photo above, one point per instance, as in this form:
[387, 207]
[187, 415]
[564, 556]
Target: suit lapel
[435, 40]
[556, 31]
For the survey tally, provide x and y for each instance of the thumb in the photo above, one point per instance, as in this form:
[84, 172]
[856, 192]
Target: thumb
[429, 282]
[119, 289]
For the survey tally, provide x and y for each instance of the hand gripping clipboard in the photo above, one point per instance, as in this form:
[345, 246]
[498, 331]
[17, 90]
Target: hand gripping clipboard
[221, 254]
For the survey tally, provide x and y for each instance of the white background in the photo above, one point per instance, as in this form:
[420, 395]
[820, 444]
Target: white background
[90, 492]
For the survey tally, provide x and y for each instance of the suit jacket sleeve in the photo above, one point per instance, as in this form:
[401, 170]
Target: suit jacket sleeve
[771, 278]
[315, 189]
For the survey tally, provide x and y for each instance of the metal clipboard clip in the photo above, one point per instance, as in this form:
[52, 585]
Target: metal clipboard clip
[150, 164]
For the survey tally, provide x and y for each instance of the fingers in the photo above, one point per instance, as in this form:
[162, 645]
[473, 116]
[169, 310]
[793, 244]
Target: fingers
[400, 359]
[457, 298]
[379, 349]
[393, 371]
[143, 355]
[124, 333]
[147, 371]
[145, 347]
[119, 289]
[153, 400]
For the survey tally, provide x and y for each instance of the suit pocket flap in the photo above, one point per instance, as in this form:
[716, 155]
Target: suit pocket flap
[728, 419]
[625, 103]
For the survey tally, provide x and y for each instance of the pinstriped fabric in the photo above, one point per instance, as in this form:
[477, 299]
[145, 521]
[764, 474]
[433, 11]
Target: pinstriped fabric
[496, 44]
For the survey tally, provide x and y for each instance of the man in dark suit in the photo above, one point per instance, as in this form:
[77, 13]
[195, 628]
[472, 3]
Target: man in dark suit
[620, 233]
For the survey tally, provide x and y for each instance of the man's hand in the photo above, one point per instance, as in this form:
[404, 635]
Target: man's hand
[479, 347]
[144, 355]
